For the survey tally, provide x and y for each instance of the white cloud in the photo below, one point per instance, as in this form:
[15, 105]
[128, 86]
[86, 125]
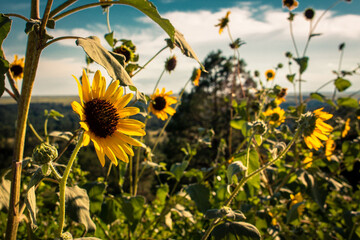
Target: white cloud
[266, 33]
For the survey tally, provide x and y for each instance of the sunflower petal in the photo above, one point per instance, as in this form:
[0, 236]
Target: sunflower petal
[86, 139]
[128, 139]
[96, 85]
[99, 152]
[129, 111]
[78, 109]
[116, 96]
[111, 89]
[86, 87]
[110, 154]
[80, 91]
[124, 100]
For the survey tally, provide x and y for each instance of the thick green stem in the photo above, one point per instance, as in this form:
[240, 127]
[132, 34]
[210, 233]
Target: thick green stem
[62, 186]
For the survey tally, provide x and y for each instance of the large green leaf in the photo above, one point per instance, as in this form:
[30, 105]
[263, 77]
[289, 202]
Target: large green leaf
[342, 84]
[95, 191]
[110, 211]
[178, 169]
[253, 165]
[236, 168]
[5, 26]
[110, 61]
[133, 208]
[77, 207]
[236, 230]
[348, 102]
[200, 195]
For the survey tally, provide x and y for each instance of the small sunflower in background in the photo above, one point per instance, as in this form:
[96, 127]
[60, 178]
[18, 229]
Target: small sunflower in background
[104, 118]
[160, 104]
[308, 161]
[280, 97]
[346, 128]
[276, 116]
[170, 64]
[329, 148]
[126, 51]
[195, 78]
[290, 4]
[17, 68]
[314, 128]
[297, 198]
[270, 75]
[223, 22]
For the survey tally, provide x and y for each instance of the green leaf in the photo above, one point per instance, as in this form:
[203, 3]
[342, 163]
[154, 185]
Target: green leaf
[5, 186]
[236, 230]
[200, 195]
[186, 49]
[108, 60]
[95, 191]
[5, 26]
[161, 193]
[241, 125]
[109, 37]
[225, 212]
[235, 168]
[77, 207]
[133, 208]
[30, 199]
[293, 214]
[110, 211]
[342, 84]
[317, 96]
[178, 169]
[290, 77]
[253, 165]
[303, 63]
[348, 102]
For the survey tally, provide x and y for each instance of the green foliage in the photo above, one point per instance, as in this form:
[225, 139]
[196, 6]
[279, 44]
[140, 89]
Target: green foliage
[236, 230]
[342, 84]
[5, 26]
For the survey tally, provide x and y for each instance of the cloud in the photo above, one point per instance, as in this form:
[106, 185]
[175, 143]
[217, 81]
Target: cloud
[265, 31]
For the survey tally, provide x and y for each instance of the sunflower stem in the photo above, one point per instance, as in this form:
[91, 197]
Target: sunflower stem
[62, 185]
[150, 60]
[248, 177]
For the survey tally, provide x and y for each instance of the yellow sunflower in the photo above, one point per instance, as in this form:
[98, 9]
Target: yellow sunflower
[280, 97]
[308, 161]
[314, 128]
[160, 104]
[196, 76]
[104, 118]
[329, 148]
[297, 199]
[17, 68]
[346, 128]
[276, 115]
[270, 75]
[290, 4]
[223, 22]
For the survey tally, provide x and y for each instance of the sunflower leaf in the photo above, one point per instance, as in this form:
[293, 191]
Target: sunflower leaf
[109, 37]
[110, 61]
[235, 230]
[302, 62]
[342, 84]
[5, 186]
[5, 26]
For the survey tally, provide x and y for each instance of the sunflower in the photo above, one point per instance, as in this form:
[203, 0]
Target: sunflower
[280, 97]
[223, 22]
[308, 161]
[346, 128]
[17, 68]
[314, 128]
[104, 118]
[196, 76]
[160, 104]
[329, 148]
[170, 64]
[297, 199]
[290, 4]
[270, 74]
[276, 115]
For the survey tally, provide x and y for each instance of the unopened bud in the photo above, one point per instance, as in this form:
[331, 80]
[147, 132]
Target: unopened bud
[44, 153]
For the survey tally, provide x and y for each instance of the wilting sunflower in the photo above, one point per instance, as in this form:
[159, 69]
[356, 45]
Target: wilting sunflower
[308, 161]
[195, 78]
[270, 74]
[104, 118]
[346, 128]
[290, 4]
[17, 68]
[297, 199]
[160, 104]
[170, 64]
[276, 115]
[314, 127]
[223, 22]
[329, 148]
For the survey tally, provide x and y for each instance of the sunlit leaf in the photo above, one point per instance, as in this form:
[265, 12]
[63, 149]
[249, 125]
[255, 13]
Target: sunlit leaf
[95, 191]
[133, 208]
[30, 199]
[178, 169]
[235, 168]
[342, 84]
[348, 102]
[253, 165]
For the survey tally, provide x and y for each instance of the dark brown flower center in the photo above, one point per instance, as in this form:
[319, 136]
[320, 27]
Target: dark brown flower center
[159, 103]
[16, 70]
[102, 117]
[269, 75]
[289, 3]
[275, 117]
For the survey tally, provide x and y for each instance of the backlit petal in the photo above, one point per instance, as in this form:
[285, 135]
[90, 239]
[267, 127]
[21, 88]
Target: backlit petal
[86, 87]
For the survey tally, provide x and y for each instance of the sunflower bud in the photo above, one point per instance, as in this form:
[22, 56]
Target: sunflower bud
[44, 153]
[259, 127]
[170, 64]
[307, 123]
[309, 13]
[66, 236]
[256, 73]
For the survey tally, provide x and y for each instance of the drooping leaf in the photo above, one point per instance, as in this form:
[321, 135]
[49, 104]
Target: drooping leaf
[95, 191]
[30, 199]
[200, 195]
[133, 208]
[236, 230]
[342, 84]
[180, 209]
[109, 37]
[5, 186]
[108, 60]
[77, 207]
[186, 49]
[241, 125]
[348, 102]
[302, 62]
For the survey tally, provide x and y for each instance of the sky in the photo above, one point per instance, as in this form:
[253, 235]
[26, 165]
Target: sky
[262, 25]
